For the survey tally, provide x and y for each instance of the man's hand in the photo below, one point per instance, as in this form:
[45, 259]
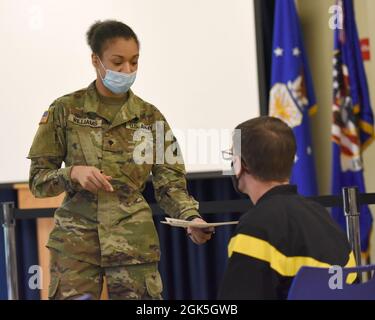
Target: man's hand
[198, 235]
[91, 179]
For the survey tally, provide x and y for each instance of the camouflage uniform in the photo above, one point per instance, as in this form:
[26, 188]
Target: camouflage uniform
[72, 278]
[107, 229]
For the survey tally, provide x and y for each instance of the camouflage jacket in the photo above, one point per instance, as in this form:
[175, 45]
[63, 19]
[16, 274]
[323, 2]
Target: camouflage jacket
[107, 228]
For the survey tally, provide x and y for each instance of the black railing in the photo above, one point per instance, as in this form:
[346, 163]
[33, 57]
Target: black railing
[350, 201]
[208, 207]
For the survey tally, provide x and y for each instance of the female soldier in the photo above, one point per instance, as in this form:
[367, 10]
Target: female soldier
[104, 225]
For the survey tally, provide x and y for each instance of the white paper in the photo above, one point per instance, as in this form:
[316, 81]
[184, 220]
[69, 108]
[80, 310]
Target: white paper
[184, 223]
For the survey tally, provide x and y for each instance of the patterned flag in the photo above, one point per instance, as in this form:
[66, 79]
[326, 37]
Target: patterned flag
[353, 122]
[292, 97]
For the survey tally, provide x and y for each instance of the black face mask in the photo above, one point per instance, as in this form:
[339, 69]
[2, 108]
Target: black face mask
[235, 181]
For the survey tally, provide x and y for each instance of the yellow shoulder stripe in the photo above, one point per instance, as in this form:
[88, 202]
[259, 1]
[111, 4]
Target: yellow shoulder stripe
[262, 250]
[351, 264]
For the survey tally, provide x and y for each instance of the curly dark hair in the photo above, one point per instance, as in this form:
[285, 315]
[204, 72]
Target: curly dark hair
[103, 31]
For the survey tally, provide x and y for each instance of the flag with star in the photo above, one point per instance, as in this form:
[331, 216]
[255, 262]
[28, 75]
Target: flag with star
[353, 121]
[292, 97]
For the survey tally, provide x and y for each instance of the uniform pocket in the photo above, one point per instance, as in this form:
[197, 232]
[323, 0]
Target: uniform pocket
[84, 138]
[136, 173]
[154, 285]
[134, 205]
[75, 155]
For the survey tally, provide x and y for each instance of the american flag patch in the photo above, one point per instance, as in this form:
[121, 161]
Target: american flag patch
[44, 117]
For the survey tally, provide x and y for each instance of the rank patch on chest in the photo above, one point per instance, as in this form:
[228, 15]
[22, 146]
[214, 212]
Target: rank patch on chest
[85, 121]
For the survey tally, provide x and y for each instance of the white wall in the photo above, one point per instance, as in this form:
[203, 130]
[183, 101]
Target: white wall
[198, 64]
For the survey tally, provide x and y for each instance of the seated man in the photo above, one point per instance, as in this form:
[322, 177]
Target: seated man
[283, 231]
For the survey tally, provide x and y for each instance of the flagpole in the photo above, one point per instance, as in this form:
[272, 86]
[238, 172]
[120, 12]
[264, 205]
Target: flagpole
[352, 213]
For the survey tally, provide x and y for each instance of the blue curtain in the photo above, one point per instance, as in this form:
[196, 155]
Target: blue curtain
[190, 271]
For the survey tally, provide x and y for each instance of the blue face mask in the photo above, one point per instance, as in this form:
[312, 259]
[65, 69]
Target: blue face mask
[117, 82]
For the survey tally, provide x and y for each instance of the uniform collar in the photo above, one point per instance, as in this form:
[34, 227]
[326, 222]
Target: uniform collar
[130, 110]
[284, 189]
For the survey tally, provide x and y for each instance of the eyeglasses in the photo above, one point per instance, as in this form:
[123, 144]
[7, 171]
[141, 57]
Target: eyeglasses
[227, 154]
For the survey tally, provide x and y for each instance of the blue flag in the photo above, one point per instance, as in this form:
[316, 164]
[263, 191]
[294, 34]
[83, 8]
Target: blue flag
[292, 97]
[353, 122]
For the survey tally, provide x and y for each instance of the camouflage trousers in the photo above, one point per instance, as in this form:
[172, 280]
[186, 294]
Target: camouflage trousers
[71, 279]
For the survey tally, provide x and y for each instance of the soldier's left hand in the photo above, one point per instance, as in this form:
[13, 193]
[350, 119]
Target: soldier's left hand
[198, 235]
